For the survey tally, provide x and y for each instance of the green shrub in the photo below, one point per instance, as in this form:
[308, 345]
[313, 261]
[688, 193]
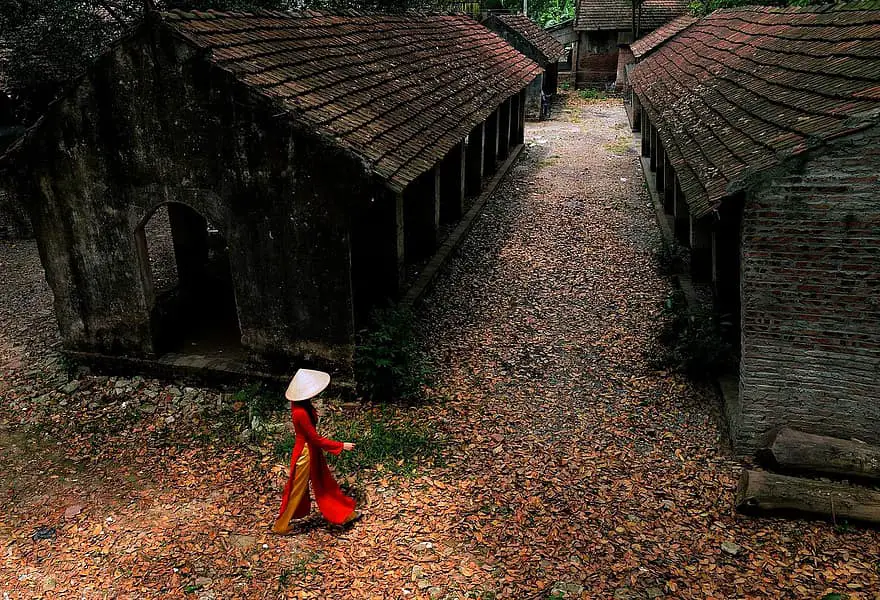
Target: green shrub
[592, 94]
[396, 447]
[389, 364]
[692, 342]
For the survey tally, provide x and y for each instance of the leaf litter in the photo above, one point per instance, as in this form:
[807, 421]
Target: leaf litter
[570, 467]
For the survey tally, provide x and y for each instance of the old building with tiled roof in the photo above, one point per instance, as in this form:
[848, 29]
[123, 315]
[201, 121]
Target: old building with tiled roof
[605, 30]
[762, 130]
[305, 162]
[529, 38]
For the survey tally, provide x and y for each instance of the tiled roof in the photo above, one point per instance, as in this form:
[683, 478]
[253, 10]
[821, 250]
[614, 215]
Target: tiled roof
[533, 33]
[398, 91]
[592, 15]
[741, 90]
[646, 44]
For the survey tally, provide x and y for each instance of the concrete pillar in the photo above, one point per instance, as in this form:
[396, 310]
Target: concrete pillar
[701, 249]
[504, 130]
[452, 184]
[660, 177]
[474, 160]
[514, 120]
[490, 143]
[637, 113]
[421, 215]
[682, 222]
[189, 231]
[378, 251]
[521, 118]
[669, 191]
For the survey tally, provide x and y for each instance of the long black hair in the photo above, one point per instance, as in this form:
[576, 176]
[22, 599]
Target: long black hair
[310, 410]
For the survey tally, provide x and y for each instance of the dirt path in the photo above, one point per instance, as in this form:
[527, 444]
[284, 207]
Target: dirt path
[572, 469]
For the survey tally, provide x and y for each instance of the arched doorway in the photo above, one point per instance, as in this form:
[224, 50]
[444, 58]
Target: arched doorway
[188, 281]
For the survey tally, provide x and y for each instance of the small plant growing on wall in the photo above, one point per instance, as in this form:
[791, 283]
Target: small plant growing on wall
[389, 364]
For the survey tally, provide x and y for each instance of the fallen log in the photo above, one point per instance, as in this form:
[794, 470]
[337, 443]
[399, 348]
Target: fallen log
[760, 491]
[797, 452]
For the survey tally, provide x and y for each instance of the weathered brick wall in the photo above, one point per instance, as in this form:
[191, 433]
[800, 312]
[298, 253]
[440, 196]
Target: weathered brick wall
[597, 58]
[811, 300]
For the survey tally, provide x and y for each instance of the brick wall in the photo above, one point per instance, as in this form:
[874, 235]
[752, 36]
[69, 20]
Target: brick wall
[597, 58]
[811, 300]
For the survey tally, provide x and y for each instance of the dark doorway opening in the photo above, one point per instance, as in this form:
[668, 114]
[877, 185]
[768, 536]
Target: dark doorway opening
[186, 268]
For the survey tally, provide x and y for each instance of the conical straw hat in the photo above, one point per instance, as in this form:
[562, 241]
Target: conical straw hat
[306, 384]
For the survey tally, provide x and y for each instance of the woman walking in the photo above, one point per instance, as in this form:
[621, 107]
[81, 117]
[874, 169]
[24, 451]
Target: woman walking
[307, 462]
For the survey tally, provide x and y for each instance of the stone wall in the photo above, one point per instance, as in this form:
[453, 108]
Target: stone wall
[811, 299]
[152, 122]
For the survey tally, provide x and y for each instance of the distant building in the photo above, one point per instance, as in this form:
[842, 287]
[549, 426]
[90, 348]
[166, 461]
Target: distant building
[605, 29]
[529, 38]
[300, 161]
[565, 34]
[762, 128]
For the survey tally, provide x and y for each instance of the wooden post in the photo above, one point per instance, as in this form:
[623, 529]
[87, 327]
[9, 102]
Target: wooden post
[646, 135]
[669, 185]
[653, 155]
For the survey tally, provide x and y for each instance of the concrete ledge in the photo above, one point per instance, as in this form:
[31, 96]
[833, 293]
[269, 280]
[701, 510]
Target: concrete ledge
[421, 285]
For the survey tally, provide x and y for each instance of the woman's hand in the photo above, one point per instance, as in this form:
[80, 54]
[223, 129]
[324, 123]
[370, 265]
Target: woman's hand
[347, 446]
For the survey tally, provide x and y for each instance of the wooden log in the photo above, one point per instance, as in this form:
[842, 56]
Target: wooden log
[760, 491]
[797, 452]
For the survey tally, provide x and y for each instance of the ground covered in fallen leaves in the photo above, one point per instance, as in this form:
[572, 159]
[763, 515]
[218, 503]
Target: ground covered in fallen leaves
[565, 465]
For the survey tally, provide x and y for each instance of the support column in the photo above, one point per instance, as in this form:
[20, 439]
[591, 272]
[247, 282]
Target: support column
[653, 155]
[189, 232]
[637, 113]
[474, 160]
[514, 120]
[378, 248]
[504, 130]
[452, 184]
[521, 118]
[646, 136]
[682, 222]
[701, 249]
[490, 143]
[660, 177]
[669, 191]
[421, 212]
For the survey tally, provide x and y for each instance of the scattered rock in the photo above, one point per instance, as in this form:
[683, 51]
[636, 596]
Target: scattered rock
[72, 511]
[731, 548]
[43, 533]
[567, 589]
[654, 592]
[435, 593]
[417, 573]
[70, 387]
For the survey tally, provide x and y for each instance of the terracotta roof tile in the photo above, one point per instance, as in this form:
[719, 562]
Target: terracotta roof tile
[592, 15]
[396, 90]
[741, 90]
[650, 42]
[546, 45]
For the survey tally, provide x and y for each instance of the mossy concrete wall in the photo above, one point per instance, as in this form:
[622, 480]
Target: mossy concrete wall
[153, 122]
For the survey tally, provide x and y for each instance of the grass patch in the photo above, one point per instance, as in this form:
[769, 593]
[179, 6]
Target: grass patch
[592, 94]
[619, 146]
[385, 443]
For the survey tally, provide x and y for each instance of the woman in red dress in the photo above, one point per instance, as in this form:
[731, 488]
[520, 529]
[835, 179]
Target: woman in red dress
[307, 462]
